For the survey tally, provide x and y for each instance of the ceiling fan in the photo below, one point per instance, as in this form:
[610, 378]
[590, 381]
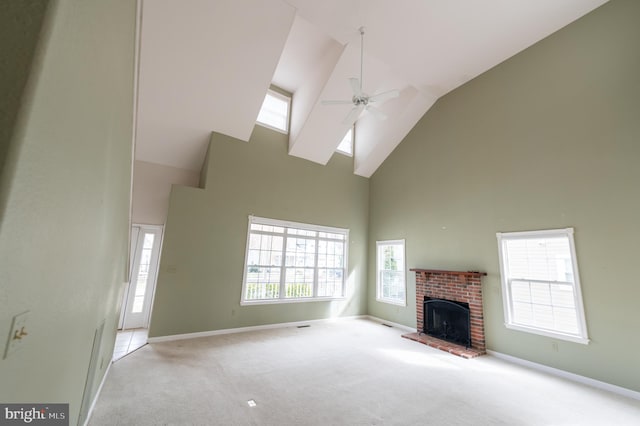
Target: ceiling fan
[360, 100]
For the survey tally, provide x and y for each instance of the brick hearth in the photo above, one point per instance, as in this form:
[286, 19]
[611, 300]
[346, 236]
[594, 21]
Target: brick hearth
[452, 348]
[457, 286]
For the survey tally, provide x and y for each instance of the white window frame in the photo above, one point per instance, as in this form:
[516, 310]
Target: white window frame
[349, 133]
[581, 335]
[379, 293]
[297, 226]
[282, 97]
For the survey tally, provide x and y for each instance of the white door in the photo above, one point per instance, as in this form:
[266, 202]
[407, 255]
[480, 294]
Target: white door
[145, 254]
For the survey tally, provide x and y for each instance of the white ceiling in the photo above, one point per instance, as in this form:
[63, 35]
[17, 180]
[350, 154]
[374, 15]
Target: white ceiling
[205, 65]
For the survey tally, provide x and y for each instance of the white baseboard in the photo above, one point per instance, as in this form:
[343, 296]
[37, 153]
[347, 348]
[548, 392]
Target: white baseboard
[245, 329]
[95, 398]
[570, 376]
[394, 324]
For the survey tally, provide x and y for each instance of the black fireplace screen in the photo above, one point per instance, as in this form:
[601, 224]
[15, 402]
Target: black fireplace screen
[447, 320]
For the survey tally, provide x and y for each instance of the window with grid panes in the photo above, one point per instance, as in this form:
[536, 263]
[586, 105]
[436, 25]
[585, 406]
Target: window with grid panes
[274, 112]
[391, 283]
[292, 262]
[541, 285]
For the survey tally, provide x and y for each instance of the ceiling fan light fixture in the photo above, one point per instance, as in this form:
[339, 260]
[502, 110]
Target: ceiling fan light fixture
[360, 100]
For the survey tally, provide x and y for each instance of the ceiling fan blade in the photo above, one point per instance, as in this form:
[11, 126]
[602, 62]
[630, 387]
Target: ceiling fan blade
[355, 86]
[352, 117]
[380, 97]
[336, 102]
[376, 113]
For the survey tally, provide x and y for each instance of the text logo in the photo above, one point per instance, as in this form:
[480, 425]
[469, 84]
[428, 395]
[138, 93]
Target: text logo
[34, 414]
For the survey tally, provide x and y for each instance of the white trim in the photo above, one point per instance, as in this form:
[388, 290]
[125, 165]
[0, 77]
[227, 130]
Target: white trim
[275, 129]
[95, 398]
[157, 273]
[392, 302]
[158, 231]
[286, 225]
[394, 324]
[281, 301]
[538, 233]
[582, 335]
[244, 264]
[340, 151]
[134, 127]
[199, 334]
[280, 96]
[291, 224]
[567, 375]
[404, 269]
[553, 334]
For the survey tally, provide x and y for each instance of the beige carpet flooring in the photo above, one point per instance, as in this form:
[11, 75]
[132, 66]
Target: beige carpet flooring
[350, 372]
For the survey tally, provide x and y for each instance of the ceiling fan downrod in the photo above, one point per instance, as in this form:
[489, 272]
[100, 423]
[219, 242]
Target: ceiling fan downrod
[361, 29]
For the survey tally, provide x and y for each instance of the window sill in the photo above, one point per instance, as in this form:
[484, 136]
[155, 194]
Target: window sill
[270, 127]
[392, 302]
[348, 154]
[280, 301]
[548, 333]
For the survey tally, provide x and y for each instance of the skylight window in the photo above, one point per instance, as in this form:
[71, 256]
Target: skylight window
[346, 146]
[274, 113]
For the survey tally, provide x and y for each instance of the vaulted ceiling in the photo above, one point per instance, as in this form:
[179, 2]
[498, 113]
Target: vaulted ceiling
[205, 65]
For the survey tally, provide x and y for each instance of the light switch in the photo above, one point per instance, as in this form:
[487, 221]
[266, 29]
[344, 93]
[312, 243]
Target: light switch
[18, 333]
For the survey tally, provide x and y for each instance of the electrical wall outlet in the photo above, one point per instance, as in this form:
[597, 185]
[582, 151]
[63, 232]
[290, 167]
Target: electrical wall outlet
[18, 333]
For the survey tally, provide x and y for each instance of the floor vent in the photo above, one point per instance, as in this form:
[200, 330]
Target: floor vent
[304, 326]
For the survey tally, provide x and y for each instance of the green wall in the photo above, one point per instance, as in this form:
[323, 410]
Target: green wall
[200, 280]
[548, 139]
[64, 199]
[20, 25]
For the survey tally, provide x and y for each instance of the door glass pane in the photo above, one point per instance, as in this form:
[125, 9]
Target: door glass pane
[143, 273]
[148, 241]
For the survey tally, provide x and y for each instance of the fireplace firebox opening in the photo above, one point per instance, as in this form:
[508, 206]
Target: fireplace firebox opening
[447, 320]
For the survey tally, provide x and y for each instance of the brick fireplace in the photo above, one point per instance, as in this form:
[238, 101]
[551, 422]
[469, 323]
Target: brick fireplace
[456, 286]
